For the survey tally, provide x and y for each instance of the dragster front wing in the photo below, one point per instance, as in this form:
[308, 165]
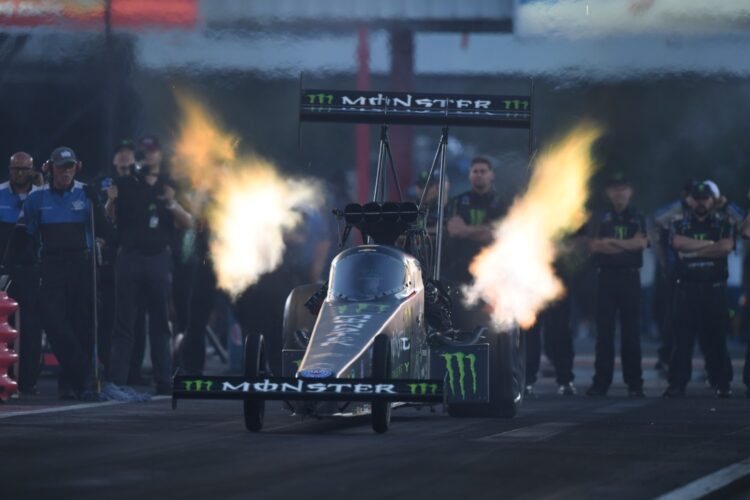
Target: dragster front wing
[296, 389]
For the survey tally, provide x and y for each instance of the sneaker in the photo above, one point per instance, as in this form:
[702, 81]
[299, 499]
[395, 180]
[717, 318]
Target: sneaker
[567, 389]
[636, 392]
[596, 392]
[122, 393]
[724, 393]
[528, 392]
[674, 392]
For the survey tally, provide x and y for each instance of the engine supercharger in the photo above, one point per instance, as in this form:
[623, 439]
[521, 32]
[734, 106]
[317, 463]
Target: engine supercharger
[8, 357]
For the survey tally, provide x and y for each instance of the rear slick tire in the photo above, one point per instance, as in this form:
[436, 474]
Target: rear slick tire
[255, 366]
[381, 370]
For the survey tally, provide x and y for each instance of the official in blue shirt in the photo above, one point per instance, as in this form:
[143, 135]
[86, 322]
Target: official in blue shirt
[19, 263]
[58, 216]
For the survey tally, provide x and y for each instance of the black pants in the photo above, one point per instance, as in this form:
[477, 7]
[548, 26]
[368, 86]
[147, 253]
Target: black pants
[24, 289]
[66, 302]
[554, 325]
[666, 320]
[202, 297]
[618, 294]
[145, 277]
[701, 311]
[142, 326]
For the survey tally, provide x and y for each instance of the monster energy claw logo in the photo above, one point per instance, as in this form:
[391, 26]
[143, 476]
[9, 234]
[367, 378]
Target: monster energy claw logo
[320, 98]
[198, 385]
[516, 104]
[460, 358]
[423, 389]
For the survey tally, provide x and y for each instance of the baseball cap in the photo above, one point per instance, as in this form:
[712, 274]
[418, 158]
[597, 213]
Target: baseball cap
[62, 156]
[617, 179]
[702, 191]
[149, 143]
[125, 145]
[714, 187]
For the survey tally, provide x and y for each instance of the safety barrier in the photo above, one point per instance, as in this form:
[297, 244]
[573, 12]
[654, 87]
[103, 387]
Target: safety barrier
[8, 357]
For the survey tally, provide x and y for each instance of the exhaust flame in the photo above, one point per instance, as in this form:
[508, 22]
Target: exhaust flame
[515, 275]
[249, 206]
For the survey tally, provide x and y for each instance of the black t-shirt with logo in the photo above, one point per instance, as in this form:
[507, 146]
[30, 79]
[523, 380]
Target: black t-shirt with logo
[476, 210]
[714, 227]
[143, 222]
[621, 226]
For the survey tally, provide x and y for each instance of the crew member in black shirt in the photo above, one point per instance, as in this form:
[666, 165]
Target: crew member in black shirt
[146, 213]
[703, 241]
[469, 217]
[618, 241]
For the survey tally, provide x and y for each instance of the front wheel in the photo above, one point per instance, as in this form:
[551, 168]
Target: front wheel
[255, 366]
[381, 370]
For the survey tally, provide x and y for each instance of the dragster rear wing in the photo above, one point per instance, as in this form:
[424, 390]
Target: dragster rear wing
[410, 108]
[294, 389]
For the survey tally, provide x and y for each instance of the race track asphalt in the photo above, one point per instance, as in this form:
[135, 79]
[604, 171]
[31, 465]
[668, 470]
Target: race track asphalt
[557, 447]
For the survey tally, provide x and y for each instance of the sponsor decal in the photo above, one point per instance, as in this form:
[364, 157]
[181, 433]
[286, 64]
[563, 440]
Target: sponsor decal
[78, 205]
[423, 389]
[402, 369]
[361, 307]
[197, 385]
[345, 328]
[305, 387]
[621, 232]
[321, 98]
[462, 362]
[517, 104]
[323, 101]
[405, 344]
[316, 373]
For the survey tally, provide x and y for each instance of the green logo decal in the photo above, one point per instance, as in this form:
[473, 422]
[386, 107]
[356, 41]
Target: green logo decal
[700, 236]
[516, 104]
[460, 358]
[477, 216]
[621, 232]
[320, 98]
[361, 307]
[198, 385]
[423, 389]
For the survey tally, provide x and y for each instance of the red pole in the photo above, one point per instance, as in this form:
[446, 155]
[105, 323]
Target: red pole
[8, 334]
[362, 132]
[402, 80]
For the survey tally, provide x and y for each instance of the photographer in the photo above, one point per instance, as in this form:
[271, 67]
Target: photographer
[146, 213]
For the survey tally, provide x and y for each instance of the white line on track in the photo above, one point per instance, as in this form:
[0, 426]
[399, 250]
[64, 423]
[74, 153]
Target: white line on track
[711, 484]
[59, 409]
